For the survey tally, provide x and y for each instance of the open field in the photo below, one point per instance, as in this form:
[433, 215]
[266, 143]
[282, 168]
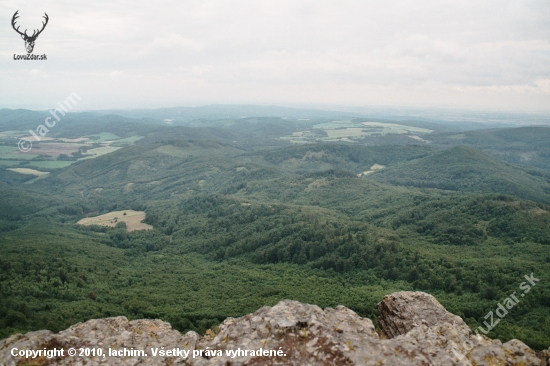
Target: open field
[335, 124]
[350, 131]
[42, 164]
[10, 162]
[396, 128]
[346, 132]
[28, 171]
[11, 152]
[51, 164]
[419, 138]
[53, 149]
[98, 151]
[133, 220]
[7, 150]
[371, 170]
[13, 133]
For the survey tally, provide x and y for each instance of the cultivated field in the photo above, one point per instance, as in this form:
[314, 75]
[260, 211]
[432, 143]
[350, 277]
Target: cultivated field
[12, 153]
[49, 148]
[396, 128]
[351, 131]
[53, 149]
[133, 220]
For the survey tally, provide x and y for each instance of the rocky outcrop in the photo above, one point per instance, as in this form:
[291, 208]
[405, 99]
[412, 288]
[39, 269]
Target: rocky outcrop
[402, 311]
[544, 357]
[420, 332]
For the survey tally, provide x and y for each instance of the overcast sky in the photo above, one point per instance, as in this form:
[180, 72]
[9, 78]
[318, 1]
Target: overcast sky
[482, 54]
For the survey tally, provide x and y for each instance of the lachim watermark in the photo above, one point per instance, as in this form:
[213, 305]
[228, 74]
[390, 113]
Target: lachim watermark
[501, 311]
[25, 145]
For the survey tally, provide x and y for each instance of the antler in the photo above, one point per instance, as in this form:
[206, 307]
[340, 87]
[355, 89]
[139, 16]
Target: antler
[34, 34]
[15, 16]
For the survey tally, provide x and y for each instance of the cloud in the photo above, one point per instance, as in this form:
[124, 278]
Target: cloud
[420, 53]
[171, 43]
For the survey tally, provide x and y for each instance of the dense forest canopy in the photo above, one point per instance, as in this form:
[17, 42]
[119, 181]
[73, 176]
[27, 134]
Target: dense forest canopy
[246, 211]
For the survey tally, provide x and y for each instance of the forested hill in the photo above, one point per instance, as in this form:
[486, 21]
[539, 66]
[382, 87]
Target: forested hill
[523, 145]
[469, 170]
[163, 169]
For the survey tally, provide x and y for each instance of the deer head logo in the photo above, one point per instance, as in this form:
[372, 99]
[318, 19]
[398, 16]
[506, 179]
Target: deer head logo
[29, 40]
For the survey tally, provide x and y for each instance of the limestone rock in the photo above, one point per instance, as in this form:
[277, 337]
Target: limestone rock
[418, 318]
[422, 333]
[115, 333]
[544, 357]
[402, 311]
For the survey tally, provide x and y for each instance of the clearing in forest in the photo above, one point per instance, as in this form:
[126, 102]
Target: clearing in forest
[372, 170]
[133, 220]
[28, 171]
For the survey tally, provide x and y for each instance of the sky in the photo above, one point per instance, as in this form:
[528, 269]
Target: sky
[463, 54]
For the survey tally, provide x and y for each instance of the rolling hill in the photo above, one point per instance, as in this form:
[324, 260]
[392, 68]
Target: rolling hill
[523, 145]
[465, 169]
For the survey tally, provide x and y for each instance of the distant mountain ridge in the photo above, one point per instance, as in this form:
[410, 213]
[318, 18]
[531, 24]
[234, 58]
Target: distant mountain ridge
[465, 169]
[528, 145]
[221, 111]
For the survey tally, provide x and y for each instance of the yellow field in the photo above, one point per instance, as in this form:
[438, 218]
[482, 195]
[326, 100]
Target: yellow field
[133, 220]
[397, 128]
[98, 151]
[372, 170]
[418, 138]
[377, 167]
[28, 171]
